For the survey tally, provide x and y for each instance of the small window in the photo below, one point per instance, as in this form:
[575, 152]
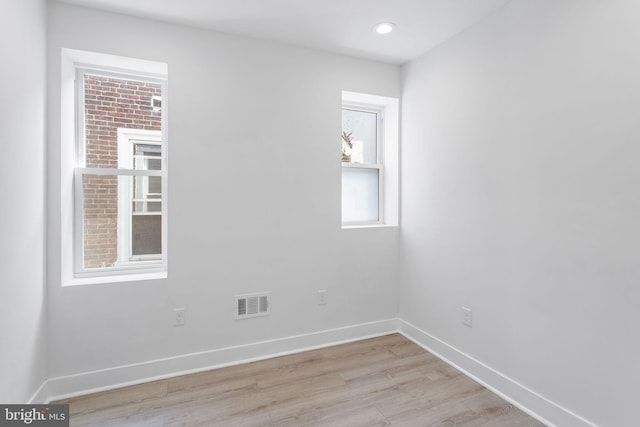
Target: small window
[370, 161]
[362, 165]
[119, 169]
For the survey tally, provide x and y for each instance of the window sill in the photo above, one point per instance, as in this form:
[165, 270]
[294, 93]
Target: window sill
[99, 280]
[354, 226]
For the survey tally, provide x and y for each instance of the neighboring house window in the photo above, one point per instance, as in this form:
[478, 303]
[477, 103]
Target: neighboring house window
[119, 168]
[140, 198]
[369, 160]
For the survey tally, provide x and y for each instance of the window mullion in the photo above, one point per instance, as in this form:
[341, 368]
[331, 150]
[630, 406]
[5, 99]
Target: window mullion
[361, 165]
[126, 172]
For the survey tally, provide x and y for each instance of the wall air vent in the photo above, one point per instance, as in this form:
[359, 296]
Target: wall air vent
[252, 305]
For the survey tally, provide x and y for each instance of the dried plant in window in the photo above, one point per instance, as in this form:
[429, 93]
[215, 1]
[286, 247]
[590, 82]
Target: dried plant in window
[347, 143]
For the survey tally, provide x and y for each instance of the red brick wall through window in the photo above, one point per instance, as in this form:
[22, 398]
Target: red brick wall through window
[110, 103]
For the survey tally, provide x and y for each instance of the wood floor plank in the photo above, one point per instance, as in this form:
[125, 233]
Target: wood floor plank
[339, 417]
[116, 398]
[376, 382]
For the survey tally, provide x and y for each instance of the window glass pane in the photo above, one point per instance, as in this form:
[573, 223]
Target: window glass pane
[100, 227]
[147, 194]
[122, 221]
[111, 103]
[146, 235]
[155, 184]
[147, 156]
[359, 194]
[363, 128]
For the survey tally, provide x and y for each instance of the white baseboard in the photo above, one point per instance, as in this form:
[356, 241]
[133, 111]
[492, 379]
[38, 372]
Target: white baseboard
[41, 394]
[524, 398]
[121, 376]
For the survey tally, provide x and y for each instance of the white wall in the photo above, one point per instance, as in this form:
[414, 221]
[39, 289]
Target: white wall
[254, 199]
[22, 130]
[521, 140]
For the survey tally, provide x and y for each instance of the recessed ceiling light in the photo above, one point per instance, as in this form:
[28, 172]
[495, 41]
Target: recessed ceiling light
[384, 28]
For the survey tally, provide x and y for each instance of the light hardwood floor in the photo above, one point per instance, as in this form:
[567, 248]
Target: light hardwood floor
[375, 382]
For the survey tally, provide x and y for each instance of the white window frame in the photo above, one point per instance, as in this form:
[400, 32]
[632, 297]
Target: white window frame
[387, 163]
[74, 63]
[378, 165]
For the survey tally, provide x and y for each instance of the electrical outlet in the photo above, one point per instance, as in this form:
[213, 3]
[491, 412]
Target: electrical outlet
[466, 316]
[178, 316]
[322, 297]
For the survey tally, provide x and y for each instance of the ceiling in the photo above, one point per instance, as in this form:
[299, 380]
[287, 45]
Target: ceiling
[341, 26]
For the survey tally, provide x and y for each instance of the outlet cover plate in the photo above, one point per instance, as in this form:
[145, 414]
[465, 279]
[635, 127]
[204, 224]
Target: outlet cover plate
[322, 297]
[467, 319]
[178, 316]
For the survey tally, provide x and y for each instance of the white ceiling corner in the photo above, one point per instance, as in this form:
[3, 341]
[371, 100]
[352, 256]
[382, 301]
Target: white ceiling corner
[340, 26]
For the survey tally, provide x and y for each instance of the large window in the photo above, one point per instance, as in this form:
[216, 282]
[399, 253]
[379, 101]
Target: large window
[369, 160]
[119, 168]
